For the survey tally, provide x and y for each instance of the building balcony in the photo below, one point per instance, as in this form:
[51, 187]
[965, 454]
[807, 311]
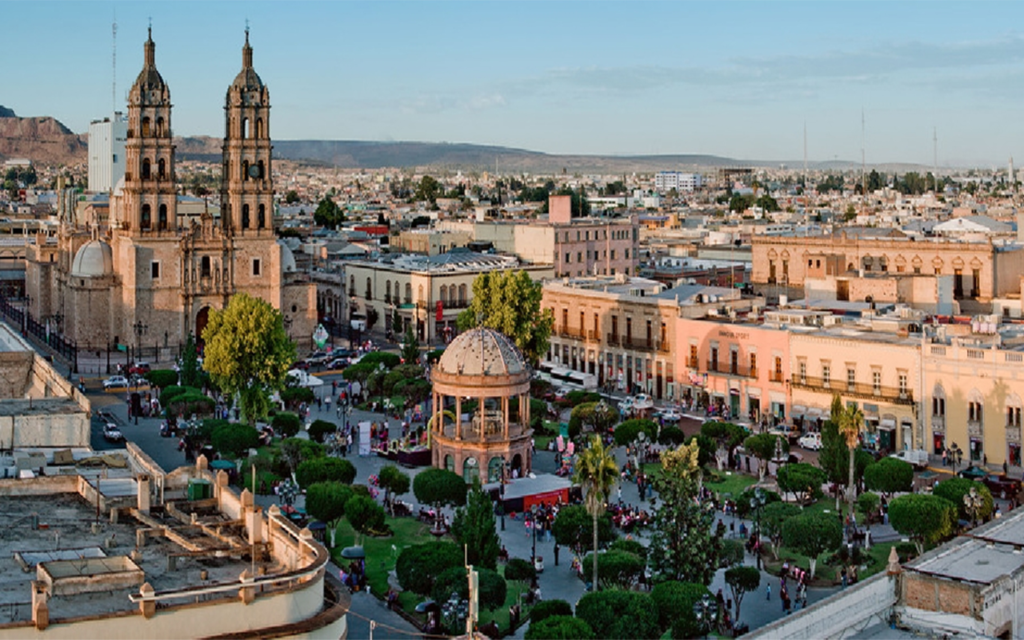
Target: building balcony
[738, 371]
[856, 390]
[776, 376]
[613, 339]
[574, 334]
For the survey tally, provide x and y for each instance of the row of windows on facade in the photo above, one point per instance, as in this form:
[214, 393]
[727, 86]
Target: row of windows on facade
[146, 220]
[734, 363]
[975, 409]
[248, 172]
[851, 377]
[600, 234]
[205, 268]
[604, 254]
[448, 294]
[576, 359]
[160, 130]
[596, 324]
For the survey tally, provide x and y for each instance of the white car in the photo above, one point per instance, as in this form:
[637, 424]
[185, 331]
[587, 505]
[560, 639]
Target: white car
[670, 415]
[115, 382]
[810, 441]
[643, 401]
[625, 405]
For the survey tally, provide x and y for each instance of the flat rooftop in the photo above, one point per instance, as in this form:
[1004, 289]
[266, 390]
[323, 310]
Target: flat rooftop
[64, 527]
[974, 561]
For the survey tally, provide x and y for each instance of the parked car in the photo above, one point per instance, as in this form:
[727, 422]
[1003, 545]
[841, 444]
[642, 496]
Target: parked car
[139, 369]
[916, 457]
[1001, 486]
[972, 473]
[670, 415]
[115, 382]
[317, 358]
[111, 433]
[625, 406]
[338, 363]
[810, 441]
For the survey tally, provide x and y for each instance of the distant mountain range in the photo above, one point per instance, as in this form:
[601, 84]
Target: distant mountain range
[44, 140]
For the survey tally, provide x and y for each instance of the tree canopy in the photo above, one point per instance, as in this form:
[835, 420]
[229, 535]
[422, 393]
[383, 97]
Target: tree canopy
[509, 301]
[954, 490]
[473, 528]
[440, 487]
[418, 565]
[619, 614]
[801, 479]
[248, 352]
[889, 476]
[328, 213]
[926, 519]
[559, 628]
[813, 534]
[741, 580]
[325, 501]
[572, 528]
[325, 469]
[674, 601]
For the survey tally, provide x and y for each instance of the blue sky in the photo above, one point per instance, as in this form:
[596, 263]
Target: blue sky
[737, 79]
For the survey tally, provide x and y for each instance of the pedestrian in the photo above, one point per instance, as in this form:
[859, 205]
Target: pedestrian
[844, 577]
[768, 592]
[945, 457]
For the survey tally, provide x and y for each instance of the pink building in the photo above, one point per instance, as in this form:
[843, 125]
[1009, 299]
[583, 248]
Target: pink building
[734, 365]
[592, 246]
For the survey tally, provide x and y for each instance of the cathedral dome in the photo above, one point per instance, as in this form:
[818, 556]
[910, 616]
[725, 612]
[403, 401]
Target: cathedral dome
[149, 86]
[247, 79]
[93, 260]
[482, 352]
[287, 258]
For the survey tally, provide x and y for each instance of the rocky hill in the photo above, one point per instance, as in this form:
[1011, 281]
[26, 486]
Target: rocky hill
[42, 140]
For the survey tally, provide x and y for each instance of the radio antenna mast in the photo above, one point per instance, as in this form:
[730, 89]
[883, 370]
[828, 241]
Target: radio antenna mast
[113, 86]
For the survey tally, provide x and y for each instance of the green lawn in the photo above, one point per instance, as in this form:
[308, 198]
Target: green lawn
[730, 483]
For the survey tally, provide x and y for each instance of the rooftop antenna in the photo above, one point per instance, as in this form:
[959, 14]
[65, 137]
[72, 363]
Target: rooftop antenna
[113, 88]
[863, 177]
[805, 150]
[935, 158]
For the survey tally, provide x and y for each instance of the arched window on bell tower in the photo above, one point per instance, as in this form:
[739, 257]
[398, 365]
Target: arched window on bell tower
[245, 216]
[146, 217]
[145, 127]
[161, 168]
[262, 174]
[146, 171]
[161, 220]
[259, 127]
[245, 128]
[245, 169]
[160, 127]
[261, 220]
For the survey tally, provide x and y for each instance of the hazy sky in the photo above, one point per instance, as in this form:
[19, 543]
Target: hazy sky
[737, 79]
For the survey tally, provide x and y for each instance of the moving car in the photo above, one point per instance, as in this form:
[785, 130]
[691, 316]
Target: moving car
[115, 382]
[670, 415]
[625, 406]
[139, 369]
[1001, 486]
[339, 362]
[810, 441]
[111, 433]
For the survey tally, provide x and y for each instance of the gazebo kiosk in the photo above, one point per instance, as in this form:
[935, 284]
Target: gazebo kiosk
[486, 444]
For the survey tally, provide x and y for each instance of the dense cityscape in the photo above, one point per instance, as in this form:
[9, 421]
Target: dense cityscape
[257, 388]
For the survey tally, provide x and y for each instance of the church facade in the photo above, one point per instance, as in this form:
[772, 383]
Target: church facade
[149, 276]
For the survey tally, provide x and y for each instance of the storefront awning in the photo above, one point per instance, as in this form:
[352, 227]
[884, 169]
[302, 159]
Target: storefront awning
[813, 412]
[798, 410]
[753, 392]
[888, 423]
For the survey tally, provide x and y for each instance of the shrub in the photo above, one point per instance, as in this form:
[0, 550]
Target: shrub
[454, 580]
[628, 431]
[294, 396]
[235, 439]
[619, 614]
[547, 608]
[743, 502]
[168, 394]
[191, 403]
[676, 599]
[418, 565]
[320, 428]
[162, 378]
[316, 470]
[519, 570]
[671, 435]
[616, 568]
[327, 501]
[390, 360]
[286, 424]
[629, 546]
[954, 490]
[559, 628]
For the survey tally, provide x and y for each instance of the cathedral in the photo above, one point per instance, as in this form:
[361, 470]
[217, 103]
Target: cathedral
[148, 276]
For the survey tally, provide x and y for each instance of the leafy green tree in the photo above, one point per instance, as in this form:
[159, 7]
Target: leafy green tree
[248, 352]
[295, 396]
[393, 481]
[801, 479]
[629, 431]
[294, 451]
[683, 546]
[954, 490]
[286, 424]
[596, 472]
[428, 189]
[773, 517]
[365, 515]
[706, 447]
[598, 416]
[812, 534]
[731, 553]
[389, 360]
[728, 435]
[867, 504]
[617, 614]
[162, 378]
[617, 569]
[519, 570]
[742, 580]
[763, 446]
[559, 628]
[326, 501]
[291, 196]
[474, 529]
[410, 347]
[573, 528]
[889, 476]
[674, 601]
[925, 519]
[418, 565]
[190, 403]
[547, 608]
[629, 545]
[767, 203]
[328, 214]
[456, 580]
[743, 503]
[509, 301]
[439, 487]
[324, 470]
[235, 439]
[320, 428]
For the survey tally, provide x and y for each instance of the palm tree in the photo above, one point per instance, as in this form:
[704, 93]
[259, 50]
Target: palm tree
[850, 420]
[596, 472]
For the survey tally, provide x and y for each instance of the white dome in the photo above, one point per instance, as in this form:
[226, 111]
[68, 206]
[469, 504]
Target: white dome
[482, 352]
[94, 259]
[287, 258]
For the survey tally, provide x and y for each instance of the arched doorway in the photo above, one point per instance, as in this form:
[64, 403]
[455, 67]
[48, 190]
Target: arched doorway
[517, 465]
[202, 318]
[470, 470]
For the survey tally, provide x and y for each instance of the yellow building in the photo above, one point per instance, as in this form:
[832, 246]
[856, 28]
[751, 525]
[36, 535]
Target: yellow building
[974, 388]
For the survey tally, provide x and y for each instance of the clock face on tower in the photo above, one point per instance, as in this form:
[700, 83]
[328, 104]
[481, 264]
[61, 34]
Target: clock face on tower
[254, 171]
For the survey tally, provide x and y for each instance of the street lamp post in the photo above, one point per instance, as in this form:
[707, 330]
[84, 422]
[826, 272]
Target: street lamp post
[380, 386]
[140, 330]
[705, 610]
[533, 525]
[756, 503]
[973, 503]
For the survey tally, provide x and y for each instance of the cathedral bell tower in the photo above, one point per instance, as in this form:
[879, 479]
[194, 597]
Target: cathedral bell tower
[150, 199]
[247, 190]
